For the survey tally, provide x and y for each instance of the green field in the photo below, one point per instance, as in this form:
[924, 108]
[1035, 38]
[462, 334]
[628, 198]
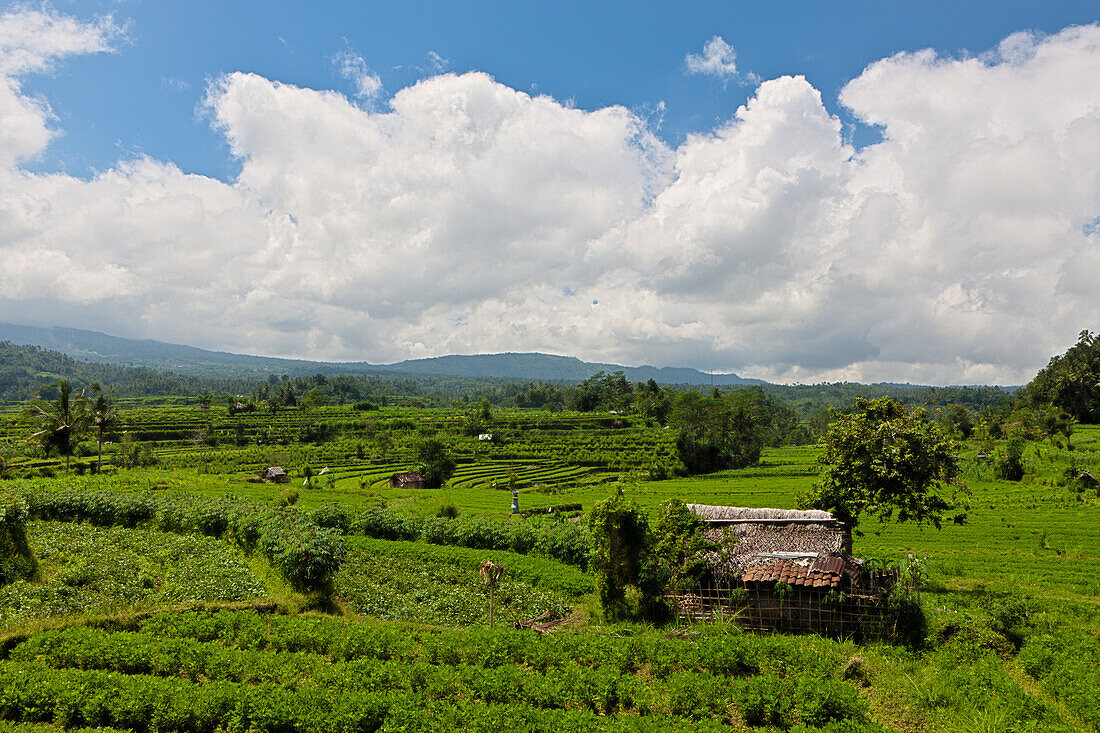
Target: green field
[130, 627]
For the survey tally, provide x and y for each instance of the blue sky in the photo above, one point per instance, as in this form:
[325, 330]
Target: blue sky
[792, 191]
[145, 99]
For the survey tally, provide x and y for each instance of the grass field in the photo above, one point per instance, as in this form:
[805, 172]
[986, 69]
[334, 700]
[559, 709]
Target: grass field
[1013, 601]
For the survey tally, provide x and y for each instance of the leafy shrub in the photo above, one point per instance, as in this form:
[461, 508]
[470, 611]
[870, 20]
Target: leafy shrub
[447, 510]
[1010, 466]
[821, 702]
[765, 700]
[333, 516]
[385, 524]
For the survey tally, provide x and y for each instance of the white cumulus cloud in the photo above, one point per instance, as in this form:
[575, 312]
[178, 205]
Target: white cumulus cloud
[718, 59]
[471, 217]
[368, 85]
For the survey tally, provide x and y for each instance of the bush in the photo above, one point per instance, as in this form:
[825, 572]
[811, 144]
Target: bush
[288, 497]
[333, 516]
[824, 701]
[1010, 466]
[765, 700]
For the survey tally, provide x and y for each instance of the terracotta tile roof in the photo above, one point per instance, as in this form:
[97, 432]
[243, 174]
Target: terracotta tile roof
[821, 572]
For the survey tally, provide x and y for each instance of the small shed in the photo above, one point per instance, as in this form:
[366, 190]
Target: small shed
[274, 475]
[784, 570]
[1088, 481]
[408, 480]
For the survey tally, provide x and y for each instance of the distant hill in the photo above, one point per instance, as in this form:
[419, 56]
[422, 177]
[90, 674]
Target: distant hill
[102, 348]
[551, 367]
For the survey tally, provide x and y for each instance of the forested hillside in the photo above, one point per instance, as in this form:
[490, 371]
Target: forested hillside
[24, 370]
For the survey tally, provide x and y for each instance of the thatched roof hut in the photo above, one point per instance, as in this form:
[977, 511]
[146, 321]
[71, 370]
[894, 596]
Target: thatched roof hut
[408, 480]
[275, 475]
[748, 536]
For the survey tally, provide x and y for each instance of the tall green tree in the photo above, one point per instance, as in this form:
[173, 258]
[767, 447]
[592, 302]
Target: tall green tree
[1071, 381]
[57, 423]
[884, 461]
[717, 432]
[101, 414]
[435, 462]
[621, 556]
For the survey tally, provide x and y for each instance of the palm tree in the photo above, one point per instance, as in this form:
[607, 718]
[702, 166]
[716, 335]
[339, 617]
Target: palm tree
[57, 423]
[100, 413]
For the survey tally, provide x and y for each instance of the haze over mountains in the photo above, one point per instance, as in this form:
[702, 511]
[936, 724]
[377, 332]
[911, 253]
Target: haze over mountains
[192, 361]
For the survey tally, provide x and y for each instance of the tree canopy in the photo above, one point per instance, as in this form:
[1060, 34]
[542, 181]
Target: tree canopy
[57, 422]
[435, 462]
[884, 461]
[718, 432]
[1071, 381]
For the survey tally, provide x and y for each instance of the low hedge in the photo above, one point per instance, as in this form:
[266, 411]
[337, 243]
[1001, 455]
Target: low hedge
[243, 671]
[565, 542]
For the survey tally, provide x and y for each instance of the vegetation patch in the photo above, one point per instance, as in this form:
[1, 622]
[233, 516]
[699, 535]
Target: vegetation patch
[410, 581]
[88, 569]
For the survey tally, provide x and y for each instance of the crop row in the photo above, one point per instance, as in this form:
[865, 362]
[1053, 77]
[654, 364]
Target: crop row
[87, 677]
[565, 541]
[531, 570]
[1067, 663]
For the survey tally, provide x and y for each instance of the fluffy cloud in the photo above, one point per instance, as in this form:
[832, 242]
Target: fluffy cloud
[718, 59]
[368, 85]
[31, 41]
[469, 217]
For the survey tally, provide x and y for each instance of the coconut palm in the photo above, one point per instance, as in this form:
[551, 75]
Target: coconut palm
[100, 414]
[57, 423]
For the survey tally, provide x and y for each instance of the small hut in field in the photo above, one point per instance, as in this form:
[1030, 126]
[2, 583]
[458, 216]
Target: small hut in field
[275, 475]
[784, 570]
[408, 480]
[1089, 482]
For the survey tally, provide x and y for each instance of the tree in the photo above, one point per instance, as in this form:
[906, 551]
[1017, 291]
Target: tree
[383, 441]
[621, 545]
[652, 401]
[679, 548]
[958, 418]
[479, 418]
[601, 390]
[717, 432]
[883, 461]
[436, 464]
[100, 413]
[57, 422]
[1071, 381]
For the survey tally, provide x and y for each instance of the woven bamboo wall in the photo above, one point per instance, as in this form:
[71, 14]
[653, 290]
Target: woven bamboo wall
[802, 610]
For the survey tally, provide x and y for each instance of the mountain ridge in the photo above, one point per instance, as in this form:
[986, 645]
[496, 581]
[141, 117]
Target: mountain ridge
[95, 346]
